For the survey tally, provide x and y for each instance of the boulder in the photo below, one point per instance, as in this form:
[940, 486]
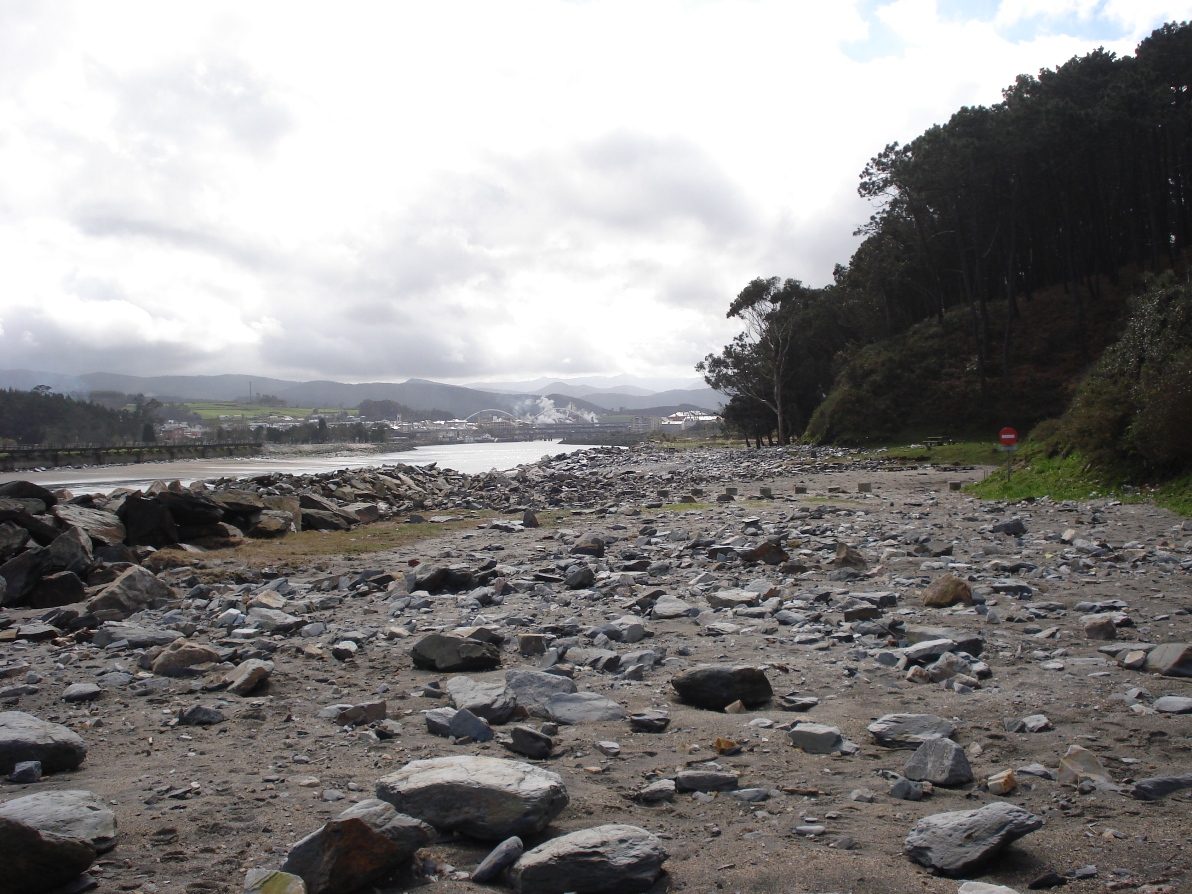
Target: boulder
[102, 527]
[71, 813]
[363, 843]
[24, 737]
[180, 656]
[22, 572]
[705, 781]
[54, 590]
[137, 637]
[248, 675]
[491, 701]
[1173, 704]
[27, 490]
[132, 591]
[189, 509]
[1158, 787]
[669, 607]
[147, 522]
[956, 842]
[910, 730]
[448, 654]
[613, 857]
[533, 689]
[38, 862]
[485, 797]
[589, 545]
[818, 738]
[940, 762]
[717, 686]
[947, 591]
[531, 743]
[1170, 660]
[71, 551]
[582, 707]
[847, 557]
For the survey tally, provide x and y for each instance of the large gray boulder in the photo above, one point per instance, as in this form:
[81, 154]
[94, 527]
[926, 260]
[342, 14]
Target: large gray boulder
[485, 797]
[614, 857]
[24, 737]
[447, 654]
[1170, 660]
[533, 688]
[71, 813]
[491, 701]
[71, 551]
[36, 862]
[955, 842]
[910, 730]
[363, 843]
[134, 590]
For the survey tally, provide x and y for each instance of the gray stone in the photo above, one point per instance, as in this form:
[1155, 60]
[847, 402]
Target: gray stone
[1170, 660]
[705, 781]
[24, 737]
[1173, 704]
[939, 761]
[649, 721]
[533, 689]
[487, 798]
[817, 738]
[71, 551]
[716, 687]
[37, 862]
[670, 607]
[492, 701]
[272, 881]
[465, 724]
[954, 843]
[438, 721]
[910, 730]
[134, 590]
[1158, 787]
[274, 620]
[81, 692]
[136, 637]
[906, 789]
[582, 707]
[102, 527]
[448, 654]
[248, 675]
[530, 742]
[25, 773]
[498, 860]
[363, 843]
[200, 715]
[613, 857]
[71, 813]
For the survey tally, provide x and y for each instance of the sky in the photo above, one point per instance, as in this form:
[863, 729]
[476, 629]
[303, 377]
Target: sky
[463, 189]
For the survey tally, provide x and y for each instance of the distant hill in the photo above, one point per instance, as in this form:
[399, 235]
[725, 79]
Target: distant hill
[419, 394]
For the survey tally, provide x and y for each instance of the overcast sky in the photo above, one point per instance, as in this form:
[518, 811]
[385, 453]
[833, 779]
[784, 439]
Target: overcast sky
[483, 189]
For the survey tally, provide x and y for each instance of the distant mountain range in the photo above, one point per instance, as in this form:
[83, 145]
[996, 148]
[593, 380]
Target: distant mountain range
[418, 394]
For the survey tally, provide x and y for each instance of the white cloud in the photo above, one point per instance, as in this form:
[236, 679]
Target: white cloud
[455, 190]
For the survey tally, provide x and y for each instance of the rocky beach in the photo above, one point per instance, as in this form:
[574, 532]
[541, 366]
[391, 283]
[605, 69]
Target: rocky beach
[786, 670]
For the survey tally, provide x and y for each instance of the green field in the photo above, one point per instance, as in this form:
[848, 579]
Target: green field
[213, 409]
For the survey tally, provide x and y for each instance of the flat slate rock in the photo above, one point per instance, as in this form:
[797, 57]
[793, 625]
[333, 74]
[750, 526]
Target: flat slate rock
[715, 687]
[613, 857]
[493, 702]
[71, 813]
[485, 797]
[910, 730]
[1159, 787]
[1170, 660]
[135, 589]
[533, 688]
[24, 737]
[955, 842]
[499, 859]
[38, 862]
[1173, 704]
[582, 707]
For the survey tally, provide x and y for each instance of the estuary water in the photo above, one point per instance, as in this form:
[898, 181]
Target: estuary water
[470, 458]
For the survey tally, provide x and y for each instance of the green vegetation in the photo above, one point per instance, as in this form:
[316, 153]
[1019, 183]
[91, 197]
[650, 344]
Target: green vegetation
[42, 417]
[211, 410]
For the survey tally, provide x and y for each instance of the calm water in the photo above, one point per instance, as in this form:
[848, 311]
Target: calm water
[470, 458]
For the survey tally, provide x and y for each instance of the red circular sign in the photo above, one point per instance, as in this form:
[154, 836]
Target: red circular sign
[1008, 436]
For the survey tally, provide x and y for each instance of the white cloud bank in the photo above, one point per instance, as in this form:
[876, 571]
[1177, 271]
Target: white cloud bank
[459, 190]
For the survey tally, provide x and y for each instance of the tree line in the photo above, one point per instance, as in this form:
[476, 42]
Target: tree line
[1077, 174]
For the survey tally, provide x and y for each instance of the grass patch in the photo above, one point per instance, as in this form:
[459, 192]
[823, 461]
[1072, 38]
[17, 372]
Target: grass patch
[963, 453]
[213, 409]
[1073, 478]
[308, 546]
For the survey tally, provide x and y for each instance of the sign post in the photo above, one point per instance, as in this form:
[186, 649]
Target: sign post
[1009, 440]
